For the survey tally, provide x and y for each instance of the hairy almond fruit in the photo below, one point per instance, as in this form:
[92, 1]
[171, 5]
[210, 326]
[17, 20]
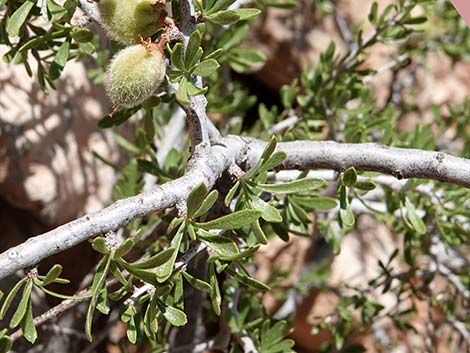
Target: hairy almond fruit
[126, 21]
[134, 74]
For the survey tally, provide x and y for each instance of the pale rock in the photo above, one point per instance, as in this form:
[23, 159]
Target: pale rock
[47, 142]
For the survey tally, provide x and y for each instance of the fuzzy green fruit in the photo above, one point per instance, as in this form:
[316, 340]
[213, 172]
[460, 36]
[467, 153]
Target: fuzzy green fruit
[127, 21]
[134, 74]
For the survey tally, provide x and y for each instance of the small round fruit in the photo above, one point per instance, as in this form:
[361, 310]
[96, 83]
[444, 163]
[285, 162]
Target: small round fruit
[134, 74]
[126, 21]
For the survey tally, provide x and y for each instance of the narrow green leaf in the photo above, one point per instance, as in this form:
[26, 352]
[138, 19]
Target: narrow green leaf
[63, 296]
[174, 316]
[259, 234]
[23, 305]
[98, 244]
[366, 185]
[224, 246]
[195, 199]
[178, 293]
[206, 67]
[247, 14]
[164, 271]
[182, 92]
[82, 35]
[224, 18]
[276, 159]
[191, 50]
[244, 59]
[415, 20]
[98, 283]
[194, 90]
[29, 330]
[349, 177]
[60, 60]
[215, 54]
[231, 193]
[5, 344]
[194, 60]
[17, 19]
[217, 5]
[207, 204]
[347, 216]
[299, 213]
[216, 299]
[301, 185]
[191, 231]
[373, 13]
[156, 260]
[197, 283]
[232, 221]
[268, 212]
[249, 281]
[284, 4]
[100, 276]
[128, 313]
[116, 271]
[118, 118]
[177, 56]
[175, 222]
[132, 330]
[57, 11]
[151, 320]
[52, 275]
[124, 248]
[149, 127]
[126, 144]
[416, 221]
[241, 255]
[10, 296]
[102, 304]
[269, 149]
[143, 275]
[273, 335]
[289, 94]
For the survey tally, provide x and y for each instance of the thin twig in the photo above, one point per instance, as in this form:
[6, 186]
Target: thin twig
[284, 124]
[343, 27]
[90, 9]
[388, 66]
[173, 133]
[196, 111]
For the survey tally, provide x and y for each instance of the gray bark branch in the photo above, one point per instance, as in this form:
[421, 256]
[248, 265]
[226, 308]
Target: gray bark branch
[403, 163]
[90, 9]
[207, 165]
[196, 111]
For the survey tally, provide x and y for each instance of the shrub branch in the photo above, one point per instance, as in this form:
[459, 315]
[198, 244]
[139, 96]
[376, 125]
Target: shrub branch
[196, 110]
[206, 166]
